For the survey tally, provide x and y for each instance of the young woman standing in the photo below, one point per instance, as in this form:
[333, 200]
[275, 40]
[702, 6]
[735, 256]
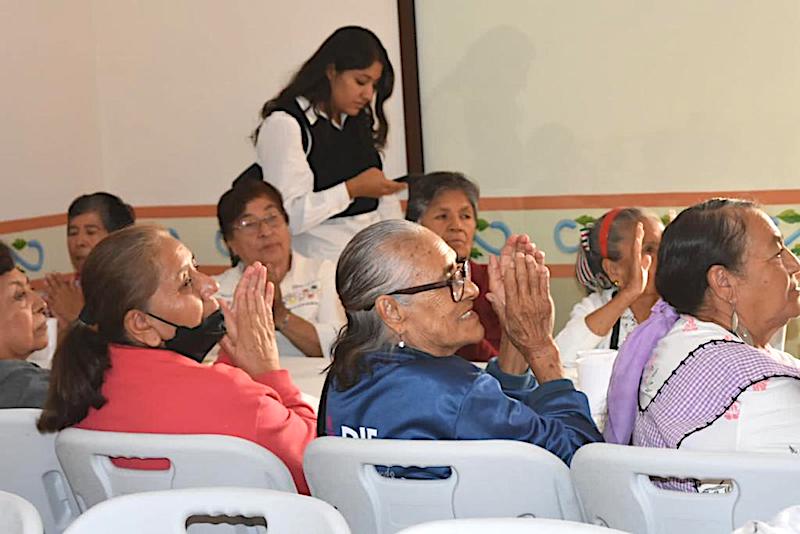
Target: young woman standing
[319, 142]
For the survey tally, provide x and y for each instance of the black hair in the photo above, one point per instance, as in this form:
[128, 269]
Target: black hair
[348, 48]
[6, 259]
[114, 213]
[710, 233]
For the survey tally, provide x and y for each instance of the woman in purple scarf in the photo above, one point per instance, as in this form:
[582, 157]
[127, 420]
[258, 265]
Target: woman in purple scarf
[700, 373]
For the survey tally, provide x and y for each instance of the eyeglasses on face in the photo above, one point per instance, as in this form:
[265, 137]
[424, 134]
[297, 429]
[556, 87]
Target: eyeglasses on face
[457, 281]
[251, 225]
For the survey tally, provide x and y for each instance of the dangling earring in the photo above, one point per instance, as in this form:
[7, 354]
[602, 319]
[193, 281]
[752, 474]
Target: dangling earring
[401, 344]
[739, 329]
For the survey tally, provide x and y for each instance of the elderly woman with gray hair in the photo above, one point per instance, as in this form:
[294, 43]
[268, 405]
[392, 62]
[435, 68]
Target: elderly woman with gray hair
[447, 203]
[409, 304]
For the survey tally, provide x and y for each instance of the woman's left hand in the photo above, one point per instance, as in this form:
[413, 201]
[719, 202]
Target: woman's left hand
[530, 316]
[250, 341]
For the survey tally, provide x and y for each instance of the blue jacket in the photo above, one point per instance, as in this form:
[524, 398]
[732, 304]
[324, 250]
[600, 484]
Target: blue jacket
[412, 395]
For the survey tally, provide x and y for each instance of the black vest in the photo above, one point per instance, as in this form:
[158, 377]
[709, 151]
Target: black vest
[337, 155]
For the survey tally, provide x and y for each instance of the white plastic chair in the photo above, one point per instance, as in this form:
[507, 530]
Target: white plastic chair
[29, 468]
[614, 487]
[166, 512]
[517, 525]
[18, 516]
[490, 478]
[197, 460]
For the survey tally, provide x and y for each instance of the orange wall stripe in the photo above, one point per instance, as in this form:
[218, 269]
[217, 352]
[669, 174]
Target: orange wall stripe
[781, 196]
[176, 212]
[555, 202]
[562, 270]
[34, 223]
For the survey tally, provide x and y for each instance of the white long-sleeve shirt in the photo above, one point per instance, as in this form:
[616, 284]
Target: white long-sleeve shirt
[576, 335]
[283, 160]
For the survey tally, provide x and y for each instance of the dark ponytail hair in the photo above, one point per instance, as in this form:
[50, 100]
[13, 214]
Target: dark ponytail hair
[120, 274]
[348, 48]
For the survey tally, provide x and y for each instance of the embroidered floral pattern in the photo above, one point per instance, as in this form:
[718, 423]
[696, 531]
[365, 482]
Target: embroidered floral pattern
[690, 325]
[760, 386]
[733, 412]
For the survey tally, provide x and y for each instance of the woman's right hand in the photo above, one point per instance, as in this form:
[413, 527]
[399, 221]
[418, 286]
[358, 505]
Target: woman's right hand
[372, 183]
[250, 341]
[638, 270]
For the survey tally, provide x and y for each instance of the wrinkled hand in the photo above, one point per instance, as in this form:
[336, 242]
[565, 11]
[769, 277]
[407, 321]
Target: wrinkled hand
[530, 314]
[639, 269]
[63, 297]
[250, 341]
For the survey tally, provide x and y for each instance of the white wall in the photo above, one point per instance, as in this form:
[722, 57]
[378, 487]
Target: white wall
[154, 100]
[554, 97]
[182, 81]
[49, 137]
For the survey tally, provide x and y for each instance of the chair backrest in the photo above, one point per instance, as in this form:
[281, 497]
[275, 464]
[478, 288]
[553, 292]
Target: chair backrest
[490, 478]
[166, 512]
[196, 460]
[517, 525]
[18, 516]
[614, 487]
[29, 468]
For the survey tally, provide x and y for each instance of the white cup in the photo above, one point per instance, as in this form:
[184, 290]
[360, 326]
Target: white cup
[594, 374]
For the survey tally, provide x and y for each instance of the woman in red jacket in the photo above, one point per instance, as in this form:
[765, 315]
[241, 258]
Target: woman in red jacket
[130, 362]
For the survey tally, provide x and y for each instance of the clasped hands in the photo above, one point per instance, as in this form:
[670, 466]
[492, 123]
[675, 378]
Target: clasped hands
[250, 342]
[519, 291]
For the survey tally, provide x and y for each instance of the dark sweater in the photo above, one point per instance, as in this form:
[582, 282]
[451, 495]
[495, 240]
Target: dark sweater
[336, 155]
[22, 384]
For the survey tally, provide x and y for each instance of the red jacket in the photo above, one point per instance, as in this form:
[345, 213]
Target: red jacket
[161, 392]
[488, 347]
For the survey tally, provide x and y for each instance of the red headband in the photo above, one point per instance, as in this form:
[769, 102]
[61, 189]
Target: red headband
[605, 228]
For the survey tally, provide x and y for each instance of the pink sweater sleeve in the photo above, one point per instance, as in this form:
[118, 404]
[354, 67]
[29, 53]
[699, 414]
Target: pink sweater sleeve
[284, 423]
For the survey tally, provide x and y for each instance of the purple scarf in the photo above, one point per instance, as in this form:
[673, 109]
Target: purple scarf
[623, 390]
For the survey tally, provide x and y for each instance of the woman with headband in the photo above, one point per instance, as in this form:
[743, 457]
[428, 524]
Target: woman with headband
[616, 264]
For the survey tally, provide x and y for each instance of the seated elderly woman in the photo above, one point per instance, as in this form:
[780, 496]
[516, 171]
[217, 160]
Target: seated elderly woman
[130, 363]
[307, 311]
[616, 264]
[23, 330]
[447, 203]
[700, 373]
[409, 306]
[89, 219]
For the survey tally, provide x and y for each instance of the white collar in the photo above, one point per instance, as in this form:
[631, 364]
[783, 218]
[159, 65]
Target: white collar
[312, 113]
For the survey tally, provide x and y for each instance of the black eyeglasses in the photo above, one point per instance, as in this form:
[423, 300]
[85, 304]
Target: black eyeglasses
[456, 282]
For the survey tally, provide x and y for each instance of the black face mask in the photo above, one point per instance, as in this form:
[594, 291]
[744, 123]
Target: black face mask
[194, 343]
